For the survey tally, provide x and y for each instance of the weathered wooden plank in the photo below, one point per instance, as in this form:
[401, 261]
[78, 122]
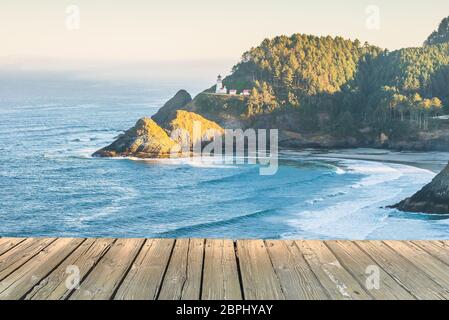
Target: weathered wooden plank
[174, 269]
[144, 279]
[183, 277]
[84, 258]
[220, 275]
[339, 283]
[20, 254]
[104, 279]
[434, 268]
[404, 272]
[16, 285]
[259, 280]
[297, 280]
[361, 266]
[445, 243]
[435, 248]
[7, 244]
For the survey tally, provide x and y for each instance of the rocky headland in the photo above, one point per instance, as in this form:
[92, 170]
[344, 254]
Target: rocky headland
[319, 92]
[433, 198]
[149, 139]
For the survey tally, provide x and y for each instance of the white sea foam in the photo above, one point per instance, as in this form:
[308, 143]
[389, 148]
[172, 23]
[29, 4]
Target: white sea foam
[356, 214]
[197, 162]
[375, 173]
[124, 194]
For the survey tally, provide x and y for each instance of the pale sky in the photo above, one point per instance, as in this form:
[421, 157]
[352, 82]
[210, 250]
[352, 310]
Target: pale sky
[145, 31]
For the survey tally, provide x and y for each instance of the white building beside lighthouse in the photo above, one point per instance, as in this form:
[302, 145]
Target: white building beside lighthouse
[221, 89]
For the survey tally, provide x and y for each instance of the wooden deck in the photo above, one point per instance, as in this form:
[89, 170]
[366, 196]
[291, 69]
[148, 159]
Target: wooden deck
[192, 269]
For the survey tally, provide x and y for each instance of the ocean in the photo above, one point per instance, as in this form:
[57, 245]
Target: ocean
[50, 186]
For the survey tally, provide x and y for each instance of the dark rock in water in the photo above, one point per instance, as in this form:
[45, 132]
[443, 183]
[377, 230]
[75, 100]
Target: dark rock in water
[433, 198]
[168, 111]
[145, 140]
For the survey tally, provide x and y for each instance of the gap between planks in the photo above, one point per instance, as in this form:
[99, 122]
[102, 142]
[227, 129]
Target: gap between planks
[215, 269]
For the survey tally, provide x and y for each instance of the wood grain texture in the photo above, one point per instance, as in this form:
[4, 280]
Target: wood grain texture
[20, 254]
[106, 277]
[362, 266]
[432, 267]
[220, 277]
[144, 279]
[435, 248]
[410, 277]
[17, 284]
[7, 244]
[339, 283]
[184, 274]
[297, 280]
[193, 269]
[259, 280]
[57, 285]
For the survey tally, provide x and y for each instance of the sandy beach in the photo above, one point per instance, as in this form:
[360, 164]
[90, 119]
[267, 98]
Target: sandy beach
[433, 161]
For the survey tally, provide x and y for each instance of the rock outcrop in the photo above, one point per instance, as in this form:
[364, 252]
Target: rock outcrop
[147, 139]
[433, 198]
[184, 123]
[168, 110]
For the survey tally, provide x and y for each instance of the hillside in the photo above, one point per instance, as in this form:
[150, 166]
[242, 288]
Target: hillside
[323, 92]
[336, 92]
[441, 35]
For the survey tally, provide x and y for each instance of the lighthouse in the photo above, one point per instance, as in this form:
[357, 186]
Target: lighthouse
[221, 89]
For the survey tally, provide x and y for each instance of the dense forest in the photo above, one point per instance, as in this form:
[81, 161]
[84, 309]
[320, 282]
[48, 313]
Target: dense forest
[346, 87]
[441, 35]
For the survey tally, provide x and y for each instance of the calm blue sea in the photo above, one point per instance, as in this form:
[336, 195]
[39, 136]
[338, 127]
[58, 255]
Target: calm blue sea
[51, 186]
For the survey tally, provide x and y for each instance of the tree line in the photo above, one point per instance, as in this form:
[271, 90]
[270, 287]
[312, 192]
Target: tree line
[354, 85]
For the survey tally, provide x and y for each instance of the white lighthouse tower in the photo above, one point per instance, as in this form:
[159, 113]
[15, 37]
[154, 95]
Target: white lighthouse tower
[221, 89]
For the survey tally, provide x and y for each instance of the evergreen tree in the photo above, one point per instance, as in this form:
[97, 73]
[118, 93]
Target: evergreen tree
[396, 93]
[441, 35]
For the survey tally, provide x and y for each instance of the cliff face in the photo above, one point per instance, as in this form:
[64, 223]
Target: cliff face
[168, 111]
[185, 122]
[230, 113]
[433, 198]
[147, 139]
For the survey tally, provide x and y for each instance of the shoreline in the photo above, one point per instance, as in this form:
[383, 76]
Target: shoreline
[422, 160]
[434, 161]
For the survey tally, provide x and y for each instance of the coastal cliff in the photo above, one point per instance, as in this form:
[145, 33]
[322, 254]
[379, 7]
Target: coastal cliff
[230, 112]
[321, 92]
[182, 128]
[433, 198]
[145, 140]
[330, 92]
[148, 139]
[168, 110]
